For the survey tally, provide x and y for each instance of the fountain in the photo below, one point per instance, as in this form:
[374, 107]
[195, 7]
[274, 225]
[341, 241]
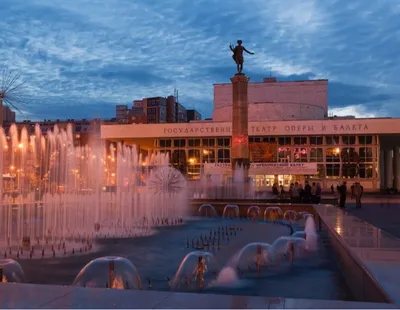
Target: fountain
[231, 212]
[273, 213]
[195, 271]
[217, 186]
[253, 256]
[11, 271]
[253, 212]
[289, 248]
[290, 215]
[207, 210]
[109, 272]
[68, 197]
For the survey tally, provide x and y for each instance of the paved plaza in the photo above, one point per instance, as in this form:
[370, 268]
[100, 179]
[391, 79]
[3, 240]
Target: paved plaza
[382, 212]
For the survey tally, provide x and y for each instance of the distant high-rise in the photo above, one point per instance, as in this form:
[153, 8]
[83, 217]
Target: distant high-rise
[153, 110]
[193, 115]
[8, 115]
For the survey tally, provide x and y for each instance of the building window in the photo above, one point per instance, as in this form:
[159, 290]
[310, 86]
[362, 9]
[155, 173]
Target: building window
[284, 154]
[366, 154]
[332, 140]
[193, 157]
[208, 155]
[268, 139]
[321, 170]
[179, 143]
[316, 140]
[316, 155]
[224, 156]
[284, 141]
[165, 143]
[366, 171]
[209, 142]
[255, 139]
[349, 170]
[349, 140]
[194, 142]
[365, 140]
[300, 140]
[349, 155]
[300, 155]
[224, 141]
[332, 170]
[178, 160]
[332, 155]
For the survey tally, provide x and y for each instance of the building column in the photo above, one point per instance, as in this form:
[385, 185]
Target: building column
[388, 169]
[396, 167]
[240, 123]
[381, 167]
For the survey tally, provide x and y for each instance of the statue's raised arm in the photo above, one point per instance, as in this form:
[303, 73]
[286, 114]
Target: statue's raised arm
[238, 55]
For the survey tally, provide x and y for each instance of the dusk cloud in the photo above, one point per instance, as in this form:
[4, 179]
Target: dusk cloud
[82, 57]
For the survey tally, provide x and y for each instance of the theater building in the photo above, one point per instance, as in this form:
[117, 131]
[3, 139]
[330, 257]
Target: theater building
[290, 139]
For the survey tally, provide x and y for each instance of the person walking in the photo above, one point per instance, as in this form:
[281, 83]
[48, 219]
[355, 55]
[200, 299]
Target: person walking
[358, 190]
[342, 189]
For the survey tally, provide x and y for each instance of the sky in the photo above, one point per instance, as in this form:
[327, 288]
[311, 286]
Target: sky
[80, 58]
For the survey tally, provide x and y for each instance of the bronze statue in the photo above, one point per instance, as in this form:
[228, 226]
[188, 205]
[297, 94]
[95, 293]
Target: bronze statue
[238, 55]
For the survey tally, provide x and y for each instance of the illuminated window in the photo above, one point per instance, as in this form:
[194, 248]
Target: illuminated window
[333, 155]
[209, 155]
[300, 155]
[284, 154]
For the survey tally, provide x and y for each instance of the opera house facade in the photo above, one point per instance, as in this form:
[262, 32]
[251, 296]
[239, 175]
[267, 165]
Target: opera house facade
[291, 138]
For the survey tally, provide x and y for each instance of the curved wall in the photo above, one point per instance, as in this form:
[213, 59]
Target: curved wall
[271, 100]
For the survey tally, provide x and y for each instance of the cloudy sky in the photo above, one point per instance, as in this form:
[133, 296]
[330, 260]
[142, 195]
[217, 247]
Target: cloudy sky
[82, 57]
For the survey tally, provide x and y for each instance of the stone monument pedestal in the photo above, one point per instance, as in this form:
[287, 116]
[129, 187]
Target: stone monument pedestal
[240, 134]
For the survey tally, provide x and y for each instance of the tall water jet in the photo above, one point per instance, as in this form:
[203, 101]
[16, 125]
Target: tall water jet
[67, 196]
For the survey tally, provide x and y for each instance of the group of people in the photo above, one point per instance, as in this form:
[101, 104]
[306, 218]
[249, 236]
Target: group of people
[357, 191]
[312, 193]
[298, 193]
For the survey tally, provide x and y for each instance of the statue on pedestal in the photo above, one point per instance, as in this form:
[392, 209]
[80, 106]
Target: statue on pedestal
[238, 55]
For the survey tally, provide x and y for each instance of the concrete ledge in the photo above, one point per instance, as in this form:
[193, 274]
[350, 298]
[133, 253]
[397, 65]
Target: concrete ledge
[50, 296]
[354, 241]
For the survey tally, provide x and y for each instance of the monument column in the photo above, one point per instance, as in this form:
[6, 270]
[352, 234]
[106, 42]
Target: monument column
[240, 133]
[388, 169]
[396, 170]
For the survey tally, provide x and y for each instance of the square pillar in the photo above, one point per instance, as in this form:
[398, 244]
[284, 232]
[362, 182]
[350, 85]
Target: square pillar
[396, 167]
[240, 123]
[382, 169]
[388, 169]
